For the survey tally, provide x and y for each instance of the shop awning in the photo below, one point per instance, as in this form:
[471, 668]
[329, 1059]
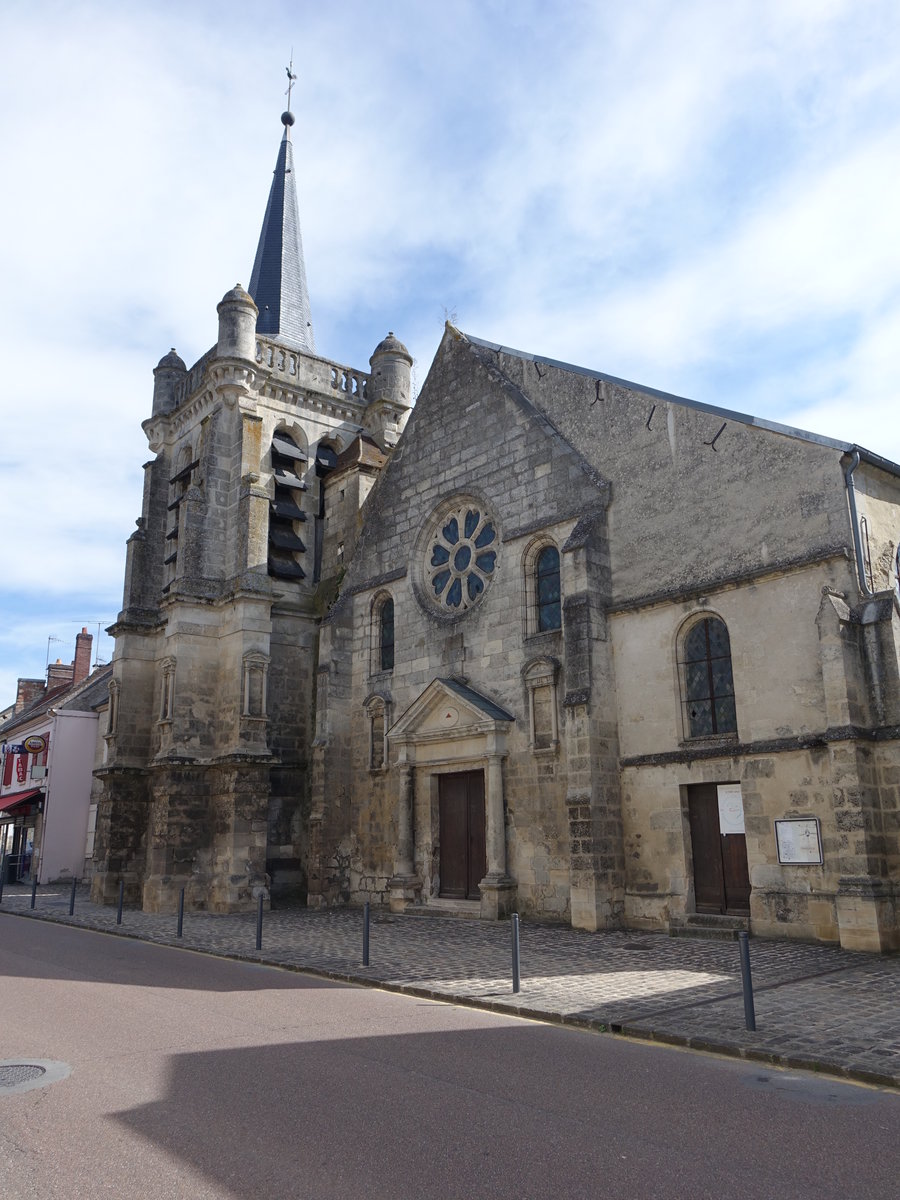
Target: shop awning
[8, 803]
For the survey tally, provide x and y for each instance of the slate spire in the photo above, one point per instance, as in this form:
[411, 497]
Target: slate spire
[278, 281]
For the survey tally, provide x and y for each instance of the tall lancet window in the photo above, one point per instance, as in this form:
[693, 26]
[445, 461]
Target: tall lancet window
[386, 635]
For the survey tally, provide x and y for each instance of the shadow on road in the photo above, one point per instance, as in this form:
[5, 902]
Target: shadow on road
[512, 1111]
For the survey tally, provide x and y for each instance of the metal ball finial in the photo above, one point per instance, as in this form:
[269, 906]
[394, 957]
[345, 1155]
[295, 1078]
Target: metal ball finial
[287, 118]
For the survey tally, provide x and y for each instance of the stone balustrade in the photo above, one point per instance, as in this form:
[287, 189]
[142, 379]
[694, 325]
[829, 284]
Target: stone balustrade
[314, 373]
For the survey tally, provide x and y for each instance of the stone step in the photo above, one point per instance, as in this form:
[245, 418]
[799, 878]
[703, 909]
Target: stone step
[709, 925]
[437, 907]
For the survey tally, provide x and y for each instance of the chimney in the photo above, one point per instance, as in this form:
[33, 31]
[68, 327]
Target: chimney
[59, 674]
[28, 691]
[83, 642]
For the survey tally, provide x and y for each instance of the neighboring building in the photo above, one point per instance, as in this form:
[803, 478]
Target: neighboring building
[576, 647]
[50, 747]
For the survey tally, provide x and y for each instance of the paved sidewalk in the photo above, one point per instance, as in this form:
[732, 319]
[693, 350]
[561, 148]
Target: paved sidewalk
[817, 1007]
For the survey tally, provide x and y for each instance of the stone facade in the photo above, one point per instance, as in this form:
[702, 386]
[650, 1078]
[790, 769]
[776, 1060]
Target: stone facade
[548, 642]
[664, 514]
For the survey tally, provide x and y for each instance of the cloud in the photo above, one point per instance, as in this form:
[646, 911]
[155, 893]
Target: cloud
[696, 196]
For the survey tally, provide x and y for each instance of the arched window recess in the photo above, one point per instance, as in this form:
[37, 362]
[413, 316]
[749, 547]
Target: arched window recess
[543, 588]
[382, 627]
[707, 683]
[377, 708]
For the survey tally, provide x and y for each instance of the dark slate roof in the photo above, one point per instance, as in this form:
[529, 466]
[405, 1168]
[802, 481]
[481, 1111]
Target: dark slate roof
[876, 460]
[477, 700]
[278, 282]
[92, 692]
[83, 696]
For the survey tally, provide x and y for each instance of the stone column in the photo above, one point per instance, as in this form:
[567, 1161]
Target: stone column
[496, 830]
[498, 890]
[404, 863]
[405, 887]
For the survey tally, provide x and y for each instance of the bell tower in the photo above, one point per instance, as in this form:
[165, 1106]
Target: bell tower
[206, 781]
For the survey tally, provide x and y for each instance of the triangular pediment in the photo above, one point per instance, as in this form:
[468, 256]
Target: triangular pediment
[448, 707]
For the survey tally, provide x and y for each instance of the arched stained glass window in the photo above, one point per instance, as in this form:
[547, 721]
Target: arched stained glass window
[547, 590]
[707, 682]
[386, 635]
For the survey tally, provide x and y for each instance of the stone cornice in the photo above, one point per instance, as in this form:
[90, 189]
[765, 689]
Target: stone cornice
[711, 585]
[783, 745]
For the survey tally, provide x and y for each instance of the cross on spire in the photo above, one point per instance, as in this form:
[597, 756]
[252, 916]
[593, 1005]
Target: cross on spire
[291, 80]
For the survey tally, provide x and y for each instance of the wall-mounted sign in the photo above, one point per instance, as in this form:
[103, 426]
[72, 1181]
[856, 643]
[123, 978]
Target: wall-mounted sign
[731, 808]
[799, 841]
[35, 744]
[13, 748]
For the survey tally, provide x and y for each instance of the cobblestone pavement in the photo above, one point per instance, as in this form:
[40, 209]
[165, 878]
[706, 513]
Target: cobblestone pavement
[816, 1006]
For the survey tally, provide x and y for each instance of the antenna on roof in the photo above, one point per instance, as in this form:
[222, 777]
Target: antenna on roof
[50, 639]
[99, 622]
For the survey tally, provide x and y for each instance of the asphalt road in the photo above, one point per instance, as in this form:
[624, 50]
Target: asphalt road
[200, 1077]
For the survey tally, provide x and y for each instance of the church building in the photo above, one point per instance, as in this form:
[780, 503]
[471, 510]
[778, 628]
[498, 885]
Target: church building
[546, 642]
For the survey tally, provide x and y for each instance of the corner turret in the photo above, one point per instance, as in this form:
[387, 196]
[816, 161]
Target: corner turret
[388, 392]
[237, 325]
[167, 374]
[391, 364]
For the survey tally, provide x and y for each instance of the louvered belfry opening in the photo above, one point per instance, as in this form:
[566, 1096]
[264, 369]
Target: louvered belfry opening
[178, 486]
[286, 547]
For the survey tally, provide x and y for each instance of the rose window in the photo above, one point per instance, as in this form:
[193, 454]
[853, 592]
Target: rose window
[461, 558]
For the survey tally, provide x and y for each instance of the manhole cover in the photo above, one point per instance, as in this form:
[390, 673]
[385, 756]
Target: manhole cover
[18, 1076]
[634, 946]
[16, 1073]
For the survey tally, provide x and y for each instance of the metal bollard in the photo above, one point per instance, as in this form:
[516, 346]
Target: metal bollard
[72, 897]
[747, 982]
[2, 874]
[33, 886]
[180, 913]
[259, 913]
[121, 901]
[365, 961]
[515, 951]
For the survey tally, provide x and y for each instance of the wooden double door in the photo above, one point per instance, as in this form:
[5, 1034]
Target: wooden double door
[462, 847]
[721, 875]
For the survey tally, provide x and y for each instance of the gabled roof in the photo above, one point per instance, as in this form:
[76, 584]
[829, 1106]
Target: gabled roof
[278, 281]
[868, 456]
[85, 696]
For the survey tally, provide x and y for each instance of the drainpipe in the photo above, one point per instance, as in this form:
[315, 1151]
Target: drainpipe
[854, 524]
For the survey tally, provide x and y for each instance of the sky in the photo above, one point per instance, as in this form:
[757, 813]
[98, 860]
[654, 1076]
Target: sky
[698, 196]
